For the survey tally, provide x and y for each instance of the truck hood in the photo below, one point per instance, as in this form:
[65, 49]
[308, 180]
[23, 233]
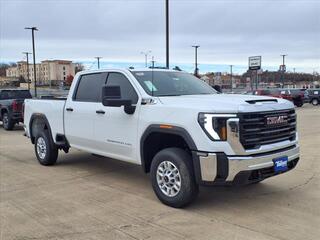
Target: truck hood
[227, 103]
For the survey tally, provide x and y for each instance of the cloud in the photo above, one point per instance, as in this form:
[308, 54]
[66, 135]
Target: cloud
[228, 31]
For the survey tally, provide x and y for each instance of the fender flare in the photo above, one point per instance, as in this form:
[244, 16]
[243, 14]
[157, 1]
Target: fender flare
[174, 130]
[4, 109]
[43, 117]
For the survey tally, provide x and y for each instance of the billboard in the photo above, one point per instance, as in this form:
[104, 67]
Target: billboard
[255, 63]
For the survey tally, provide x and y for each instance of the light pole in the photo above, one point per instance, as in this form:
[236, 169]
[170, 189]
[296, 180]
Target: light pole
[146, 57]
[231, 80]
[152, 62]
[98, 58]
[283, 68]
[28, 76]
[34, 58]
[196, 70]
[167, 33]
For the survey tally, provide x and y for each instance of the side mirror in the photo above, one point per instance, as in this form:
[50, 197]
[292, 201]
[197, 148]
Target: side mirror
[111, 97]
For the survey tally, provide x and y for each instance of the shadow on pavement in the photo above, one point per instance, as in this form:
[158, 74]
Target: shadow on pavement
[131, 175]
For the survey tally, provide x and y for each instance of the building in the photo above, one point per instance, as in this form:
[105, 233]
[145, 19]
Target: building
[48, 72]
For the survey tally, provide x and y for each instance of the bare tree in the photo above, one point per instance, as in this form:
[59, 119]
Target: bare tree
[5, 66]
[78, 67]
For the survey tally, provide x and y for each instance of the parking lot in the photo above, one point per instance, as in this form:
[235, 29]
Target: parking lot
[89, 197]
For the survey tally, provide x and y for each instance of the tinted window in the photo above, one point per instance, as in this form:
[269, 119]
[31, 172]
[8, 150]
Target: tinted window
[127, 91]
[15, 94]
[90, 88]
[275, 91]
[265, 92]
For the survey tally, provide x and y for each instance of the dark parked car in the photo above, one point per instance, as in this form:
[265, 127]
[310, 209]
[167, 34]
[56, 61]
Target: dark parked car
[297, 96]
[11, 106]
[314, 96]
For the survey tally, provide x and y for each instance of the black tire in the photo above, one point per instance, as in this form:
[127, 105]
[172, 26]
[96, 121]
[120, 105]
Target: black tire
[48, 156]
[183, 162]
[8, 124]
[298, 103]
[315, 102]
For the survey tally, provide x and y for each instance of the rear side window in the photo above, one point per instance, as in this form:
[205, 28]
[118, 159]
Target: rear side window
[90, 88]
[127, 90]
[15, 94]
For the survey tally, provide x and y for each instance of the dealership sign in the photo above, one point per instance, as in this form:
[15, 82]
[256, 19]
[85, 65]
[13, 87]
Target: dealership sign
[255, 63]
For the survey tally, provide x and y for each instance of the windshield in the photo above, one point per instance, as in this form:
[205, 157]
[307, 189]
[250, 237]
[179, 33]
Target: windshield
[165, 83]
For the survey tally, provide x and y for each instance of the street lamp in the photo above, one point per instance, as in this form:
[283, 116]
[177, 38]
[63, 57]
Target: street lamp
[28, 76]
[283, 69]
[231, 80]
[167, 33]
[34, 58]
[196, 70]
[98, 58]
[146, 57]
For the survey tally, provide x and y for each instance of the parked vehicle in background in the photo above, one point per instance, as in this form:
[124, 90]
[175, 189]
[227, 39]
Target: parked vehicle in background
[314, 96]
[172, 124]
[11, 106]
[297, 96]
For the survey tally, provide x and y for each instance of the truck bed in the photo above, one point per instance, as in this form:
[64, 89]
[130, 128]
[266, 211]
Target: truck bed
[53, 110]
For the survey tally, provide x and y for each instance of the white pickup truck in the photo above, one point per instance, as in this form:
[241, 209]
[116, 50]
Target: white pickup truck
[172, 124]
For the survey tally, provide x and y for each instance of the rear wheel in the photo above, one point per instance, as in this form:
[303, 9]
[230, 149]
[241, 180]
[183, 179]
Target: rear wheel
[8, 124]
[46, 151]
[172, 177]
[314, 102]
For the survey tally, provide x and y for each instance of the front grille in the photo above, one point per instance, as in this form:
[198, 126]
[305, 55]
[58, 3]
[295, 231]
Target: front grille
[254, 131]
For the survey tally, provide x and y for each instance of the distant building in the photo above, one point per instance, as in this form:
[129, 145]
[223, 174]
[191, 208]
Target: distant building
[48, 72]
[222, 79]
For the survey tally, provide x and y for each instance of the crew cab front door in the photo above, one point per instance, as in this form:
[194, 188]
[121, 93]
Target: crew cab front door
[114, 130]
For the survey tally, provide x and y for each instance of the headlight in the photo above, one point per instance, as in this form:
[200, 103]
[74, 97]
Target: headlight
[215, 125]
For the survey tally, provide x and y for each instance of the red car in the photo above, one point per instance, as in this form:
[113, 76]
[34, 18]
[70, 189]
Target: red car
[294, 95]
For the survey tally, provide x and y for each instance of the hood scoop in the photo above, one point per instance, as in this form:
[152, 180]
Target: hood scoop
[261, 101]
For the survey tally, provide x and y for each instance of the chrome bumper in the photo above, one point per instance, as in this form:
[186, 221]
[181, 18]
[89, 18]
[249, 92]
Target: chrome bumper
[237, 164]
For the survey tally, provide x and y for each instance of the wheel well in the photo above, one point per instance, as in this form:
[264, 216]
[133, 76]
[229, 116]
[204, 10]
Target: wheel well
[157, 141]
[37, 125]
[3, 111]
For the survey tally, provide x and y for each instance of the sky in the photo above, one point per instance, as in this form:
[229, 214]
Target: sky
[227, 31]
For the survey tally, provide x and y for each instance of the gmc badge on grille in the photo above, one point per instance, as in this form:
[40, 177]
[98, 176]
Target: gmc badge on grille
[276, 120]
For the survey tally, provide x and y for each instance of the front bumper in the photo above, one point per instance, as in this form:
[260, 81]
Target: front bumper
[218, 168]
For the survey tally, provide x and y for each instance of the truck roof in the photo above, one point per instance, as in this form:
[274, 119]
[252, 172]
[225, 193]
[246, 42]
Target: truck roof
[129, 69]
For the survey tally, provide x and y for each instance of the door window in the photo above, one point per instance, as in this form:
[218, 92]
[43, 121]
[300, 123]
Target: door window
[126, 89]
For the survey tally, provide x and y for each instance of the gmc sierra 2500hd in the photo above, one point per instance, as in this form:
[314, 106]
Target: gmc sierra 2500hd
[172, 124]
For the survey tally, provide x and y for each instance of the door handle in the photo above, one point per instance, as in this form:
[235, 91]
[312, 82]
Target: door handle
[69, 109]
[100, 112]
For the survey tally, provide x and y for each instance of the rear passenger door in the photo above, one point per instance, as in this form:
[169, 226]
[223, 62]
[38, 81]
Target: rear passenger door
[80, 111]
[114, 130]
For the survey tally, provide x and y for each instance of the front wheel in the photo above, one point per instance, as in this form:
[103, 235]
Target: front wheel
[173, 178]
[315, 102]
[46, 150]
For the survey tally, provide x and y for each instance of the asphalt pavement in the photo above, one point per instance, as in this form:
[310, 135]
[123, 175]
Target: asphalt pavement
[88, 197]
